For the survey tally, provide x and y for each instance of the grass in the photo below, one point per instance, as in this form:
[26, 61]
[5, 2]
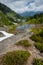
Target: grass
[39, 46]
[15, 58]
[38, 62]
[38, 38]
[36, 30]
[24, 43]
[38, 35]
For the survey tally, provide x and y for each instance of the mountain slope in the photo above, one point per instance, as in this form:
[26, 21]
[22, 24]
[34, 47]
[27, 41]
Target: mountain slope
[4, 20]
[11, 15]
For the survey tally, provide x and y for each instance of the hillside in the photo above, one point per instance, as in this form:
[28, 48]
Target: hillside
[4, 20]
[11, 15]
[36, 19]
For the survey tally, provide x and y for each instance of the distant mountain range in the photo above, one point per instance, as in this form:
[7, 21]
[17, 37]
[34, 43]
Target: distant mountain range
[31, 13]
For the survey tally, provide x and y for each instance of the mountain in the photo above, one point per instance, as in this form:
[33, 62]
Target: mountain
[31, 13]
[11, 15]
[8, 17]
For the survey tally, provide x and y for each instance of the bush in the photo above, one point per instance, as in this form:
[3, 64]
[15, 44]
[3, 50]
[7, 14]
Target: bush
[15, 58]
[24, 43]
[39, 46]
[37, 38]
[38, 62]
[38, 35]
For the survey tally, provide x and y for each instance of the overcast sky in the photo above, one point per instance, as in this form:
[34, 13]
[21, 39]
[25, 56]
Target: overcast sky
[21, 6]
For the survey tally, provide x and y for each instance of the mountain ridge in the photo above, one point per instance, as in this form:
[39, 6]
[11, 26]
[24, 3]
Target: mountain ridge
[13, 16]
[30, 13]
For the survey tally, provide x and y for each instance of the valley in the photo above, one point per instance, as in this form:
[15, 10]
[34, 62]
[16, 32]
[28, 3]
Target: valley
[21, 39]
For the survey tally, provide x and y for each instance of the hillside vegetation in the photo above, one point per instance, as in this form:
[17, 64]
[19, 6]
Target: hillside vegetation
[4, 20]
[24, 43]
[38, 38]
[14, 17]
[38, 35]
[38, 62]
[36, 19]
[11, 15]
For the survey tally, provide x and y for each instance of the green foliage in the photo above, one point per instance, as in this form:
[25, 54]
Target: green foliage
[38, 35]
[4, 20]
[38, 38]
[24, 43]
[36, 19]
[15, 58]
[38, 62]
[12, 16]
[36, 30]
[39, 46]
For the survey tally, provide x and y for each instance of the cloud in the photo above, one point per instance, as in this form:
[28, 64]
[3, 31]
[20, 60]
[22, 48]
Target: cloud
[21, 6]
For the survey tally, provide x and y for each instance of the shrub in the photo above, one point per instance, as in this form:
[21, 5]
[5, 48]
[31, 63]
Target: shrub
[24, 43]
[15, 58]
[37, 38]
[39, 46]
[38, 35]
[38, 62]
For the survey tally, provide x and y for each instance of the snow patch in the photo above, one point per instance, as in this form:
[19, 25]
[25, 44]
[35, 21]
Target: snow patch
[6, 35]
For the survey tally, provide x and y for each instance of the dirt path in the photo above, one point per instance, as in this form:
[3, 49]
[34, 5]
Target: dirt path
[34, 53]
[8, 45]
